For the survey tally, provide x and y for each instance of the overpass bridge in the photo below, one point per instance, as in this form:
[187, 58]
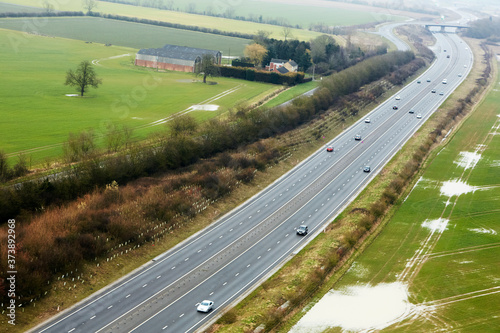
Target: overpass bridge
[444, 26]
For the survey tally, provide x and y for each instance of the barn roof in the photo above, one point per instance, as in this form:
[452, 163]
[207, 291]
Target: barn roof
[178, 52]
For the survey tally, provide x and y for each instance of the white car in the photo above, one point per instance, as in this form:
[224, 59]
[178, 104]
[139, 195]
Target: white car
[205, 306]
[398, 98]
[419, 116]
[367, 120]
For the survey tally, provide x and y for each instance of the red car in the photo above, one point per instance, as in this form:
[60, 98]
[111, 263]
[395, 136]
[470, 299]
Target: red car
[329, 149]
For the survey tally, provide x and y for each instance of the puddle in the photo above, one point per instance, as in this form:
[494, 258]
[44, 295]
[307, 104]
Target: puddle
[456, 187]
[483, 231]
[468, 160]
[204, 107]
[436, 225]
[357, 308]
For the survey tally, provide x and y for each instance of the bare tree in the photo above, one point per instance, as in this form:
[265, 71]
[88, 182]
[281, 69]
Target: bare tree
[89, 5]
[48, 7]
[83, 77]
[191, 8]
[169, 5]
[261, 36]
[286, 32]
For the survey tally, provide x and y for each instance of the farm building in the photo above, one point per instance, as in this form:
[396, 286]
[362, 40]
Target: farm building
[282, 66]
[175, 58]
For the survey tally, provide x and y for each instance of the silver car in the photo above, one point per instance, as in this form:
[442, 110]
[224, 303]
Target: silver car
[205, 306]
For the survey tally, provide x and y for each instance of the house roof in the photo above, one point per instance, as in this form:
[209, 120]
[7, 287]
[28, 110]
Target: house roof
[278, 61]
[282, 70]
[293, 63]
[178, 52]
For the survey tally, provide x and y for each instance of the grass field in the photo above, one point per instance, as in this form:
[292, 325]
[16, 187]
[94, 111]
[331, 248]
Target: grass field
[435, 266]
[125, 34]
[10, 8]
[303, 14]
[176, 17]
[36, 113]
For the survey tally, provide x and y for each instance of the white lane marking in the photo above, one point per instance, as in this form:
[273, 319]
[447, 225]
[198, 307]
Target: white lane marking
[92, 317]
[173, 267]
[109, 307]
[71, 330]
[237, 274]
[164, 327]
[145, 285]
[182, 315]
[224, 283]
[159, 276]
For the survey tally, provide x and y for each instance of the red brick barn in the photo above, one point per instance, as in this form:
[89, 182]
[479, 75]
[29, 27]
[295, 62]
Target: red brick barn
[175, 58]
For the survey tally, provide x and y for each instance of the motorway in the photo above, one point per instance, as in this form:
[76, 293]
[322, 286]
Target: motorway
[231, 257]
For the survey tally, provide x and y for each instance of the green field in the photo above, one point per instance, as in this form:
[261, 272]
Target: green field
[176, 17]
[435, 264]
[36, 111]
[303, 14]
[10, 8]
[122, 33]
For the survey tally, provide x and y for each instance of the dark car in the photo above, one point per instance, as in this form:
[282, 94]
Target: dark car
[395, 107]
[366, 169]
[329, 149]
[357, 137]
[302, 230]
[433, 91]
[412, 111]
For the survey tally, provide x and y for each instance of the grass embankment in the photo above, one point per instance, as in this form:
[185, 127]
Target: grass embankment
[291, 93]
[262, 306]
[37, 116]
